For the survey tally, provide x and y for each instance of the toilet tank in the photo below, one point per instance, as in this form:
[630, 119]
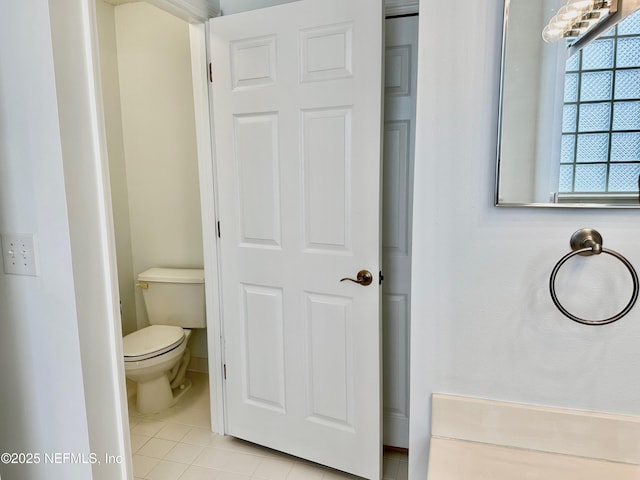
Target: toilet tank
[174, 296]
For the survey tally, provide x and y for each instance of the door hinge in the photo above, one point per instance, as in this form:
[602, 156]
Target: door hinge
[210, 72]
[218, 229]
[380, 278]
[224, 371]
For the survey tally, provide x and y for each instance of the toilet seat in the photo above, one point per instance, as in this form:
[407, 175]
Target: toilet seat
[151, 341]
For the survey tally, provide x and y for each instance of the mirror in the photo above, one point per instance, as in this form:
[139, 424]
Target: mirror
[569, 123]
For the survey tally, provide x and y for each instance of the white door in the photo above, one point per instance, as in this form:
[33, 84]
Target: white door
[297, 120]
[399, 139]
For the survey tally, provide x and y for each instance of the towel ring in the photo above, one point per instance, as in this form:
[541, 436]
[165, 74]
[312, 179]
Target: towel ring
[588, 242]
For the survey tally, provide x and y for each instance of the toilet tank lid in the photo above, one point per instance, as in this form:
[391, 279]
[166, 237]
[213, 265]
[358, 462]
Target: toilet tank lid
[172, 275]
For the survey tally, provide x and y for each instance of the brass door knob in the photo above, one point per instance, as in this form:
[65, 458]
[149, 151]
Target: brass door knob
[364, 278]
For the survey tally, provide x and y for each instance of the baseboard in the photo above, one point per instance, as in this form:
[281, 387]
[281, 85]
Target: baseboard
[198, 364]
[555, 430]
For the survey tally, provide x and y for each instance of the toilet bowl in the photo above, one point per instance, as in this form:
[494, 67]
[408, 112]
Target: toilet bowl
[156, 358]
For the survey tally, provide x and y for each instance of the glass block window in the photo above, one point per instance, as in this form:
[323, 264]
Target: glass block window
[600, 151]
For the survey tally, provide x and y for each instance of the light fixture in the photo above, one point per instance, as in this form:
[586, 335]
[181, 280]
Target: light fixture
[577, 18]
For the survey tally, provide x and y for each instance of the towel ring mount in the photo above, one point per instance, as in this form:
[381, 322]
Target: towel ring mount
[588, 242]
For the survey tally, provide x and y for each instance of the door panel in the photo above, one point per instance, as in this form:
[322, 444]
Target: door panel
[256, 147]
[264, 346]
[297, 119]
[327, 164]
[330, 378]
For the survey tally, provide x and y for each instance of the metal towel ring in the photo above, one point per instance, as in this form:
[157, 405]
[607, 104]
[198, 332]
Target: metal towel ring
[589, 242]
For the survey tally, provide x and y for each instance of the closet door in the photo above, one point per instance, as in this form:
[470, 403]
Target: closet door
[297, 96]
[399, 139]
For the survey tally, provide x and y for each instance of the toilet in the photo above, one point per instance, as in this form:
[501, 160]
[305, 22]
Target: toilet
[156, 357]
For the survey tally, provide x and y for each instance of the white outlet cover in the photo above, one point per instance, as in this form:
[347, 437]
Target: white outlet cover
[19, 254]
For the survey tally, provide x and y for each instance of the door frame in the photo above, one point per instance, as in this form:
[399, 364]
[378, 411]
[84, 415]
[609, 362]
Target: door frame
[203, 109]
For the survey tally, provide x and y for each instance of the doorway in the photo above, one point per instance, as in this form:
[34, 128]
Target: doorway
[153, 164]
[399, 139]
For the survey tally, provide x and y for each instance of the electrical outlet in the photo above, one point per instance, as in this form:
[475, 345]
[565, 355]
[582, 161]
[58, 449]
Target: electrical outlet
[19, 254]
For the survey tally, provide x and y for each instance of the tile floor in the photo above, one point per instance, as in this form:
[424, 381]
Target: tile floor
[178, 445]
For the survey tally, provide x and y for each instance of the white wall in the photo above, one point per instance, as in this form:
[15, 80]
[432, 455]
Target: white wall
[483, 323]
[49, 323]
[105, 14]
[158, 125]
[38, 331]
